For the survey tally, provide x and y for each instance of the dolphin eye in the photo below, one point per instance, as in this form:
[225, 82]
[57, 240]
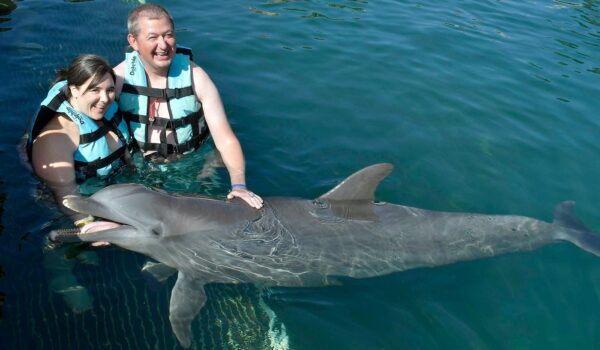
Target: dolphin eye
[157, 231]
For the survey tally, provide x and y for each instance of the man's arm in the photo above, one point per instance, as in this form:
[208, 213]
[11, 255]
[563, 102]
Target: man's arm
[225, 140]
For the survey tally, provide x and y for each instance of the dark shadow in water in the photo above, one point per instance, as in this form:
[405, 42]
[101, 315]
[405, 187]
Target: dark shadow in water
[2, 201]
[2, 297]
[6, 7]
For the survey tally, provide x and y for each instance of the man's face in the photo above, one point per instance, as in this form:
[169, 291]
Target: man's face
[155, 43]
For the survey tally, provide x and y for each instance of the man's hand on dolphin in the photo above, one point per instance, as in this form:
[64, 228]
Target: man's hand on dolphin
[248, 196]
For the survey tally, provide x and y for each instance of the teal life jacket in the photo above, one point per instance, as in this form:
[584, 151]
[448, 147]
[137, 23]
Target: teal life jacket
[93, 156]
[186, 118]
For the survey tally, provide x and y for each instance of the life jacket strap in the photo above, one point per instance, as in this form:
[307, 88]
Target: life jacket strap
[194, 142]
[90, 168]
[165, 94]
[103, 130]
[191, 118]
[46, 113]
[93, 136]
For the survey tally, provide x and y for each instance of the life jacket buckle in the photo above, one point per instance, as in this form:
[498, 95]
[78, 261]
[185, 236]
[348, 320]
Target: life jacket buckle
[173, 93]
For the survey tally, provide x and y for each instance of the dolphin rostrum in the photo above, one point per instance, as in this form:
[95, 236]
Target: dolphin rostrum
[297, 242]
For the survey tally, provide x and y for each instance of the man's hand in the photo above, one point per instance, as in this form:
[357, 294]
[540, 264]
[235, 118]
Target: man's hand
[248, 196]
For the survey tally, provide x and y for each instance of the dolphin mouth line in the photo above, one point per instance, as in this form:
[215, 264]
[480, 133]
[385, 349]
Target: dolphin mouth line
[85, 233]
[87, 206]
[100, 226]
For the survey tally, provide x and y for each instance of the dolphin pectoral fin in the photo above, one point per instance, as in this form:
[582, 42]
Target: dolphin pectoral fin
[159, 271]
[187, 298]
[359, 186]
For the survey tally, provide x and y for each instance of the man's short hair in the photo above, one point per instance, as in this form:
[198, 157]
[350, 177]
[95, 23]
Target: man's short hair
[152, 11]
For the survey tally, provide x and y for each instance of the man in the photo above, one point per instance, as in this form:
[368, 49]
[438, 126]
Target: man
[169, 101]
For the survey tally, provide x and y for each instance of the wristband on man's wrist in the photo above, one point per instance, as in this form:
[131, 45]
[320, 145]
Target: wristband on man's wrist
[238, 185]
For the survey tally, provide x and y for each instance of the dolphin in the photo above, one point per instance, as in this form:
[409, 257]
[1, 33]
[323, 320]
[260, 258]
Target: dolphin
[294, 242]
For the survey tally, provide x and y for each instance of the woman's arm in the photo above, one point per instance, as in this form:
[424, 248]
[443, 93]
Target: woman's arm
[52, 160]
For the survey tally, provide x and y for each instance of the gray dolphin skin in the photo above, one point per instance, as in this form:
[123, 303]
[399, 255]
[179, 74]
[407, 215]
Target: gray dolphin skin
[294, 242]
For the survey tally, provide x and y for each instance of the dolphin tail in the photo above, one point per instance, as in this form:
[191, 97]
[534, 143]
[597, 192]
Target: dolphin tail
[574, 230]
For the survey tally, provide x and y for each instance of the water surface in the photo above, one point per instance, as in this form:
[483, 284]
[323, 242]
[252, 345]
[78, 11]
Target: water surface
[482, 106]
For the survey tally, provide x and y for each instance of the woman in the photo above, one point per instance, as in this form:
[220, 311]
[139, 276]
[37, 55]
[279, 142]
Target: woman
[75, 134]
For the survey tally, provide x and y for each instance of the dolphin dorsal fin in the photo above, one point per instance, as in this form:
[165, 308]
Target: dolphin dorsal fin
[359, 186]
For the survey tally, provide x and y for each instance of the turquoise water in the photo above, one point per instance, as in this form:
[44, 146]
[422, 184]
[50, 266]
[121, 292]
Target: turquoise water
[482, 106]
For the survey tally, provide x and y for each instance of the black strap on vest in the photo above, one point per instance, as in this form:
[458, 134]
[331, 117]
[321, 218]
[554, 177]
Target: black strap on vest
[114, 126]
[186, 51]
[108, 125]
[90, 168]
[58, 100]
[163, 148]
[165, 94]
[46, 113]
[195, 142]
[193, 118]
[94, 135]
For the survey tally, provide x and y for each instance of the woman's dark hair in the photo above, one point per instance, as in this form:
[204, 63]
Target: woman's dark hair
[82, 68]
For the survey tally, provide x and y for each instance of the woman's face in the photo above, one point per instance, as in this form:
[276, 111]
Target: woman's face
[95, 100]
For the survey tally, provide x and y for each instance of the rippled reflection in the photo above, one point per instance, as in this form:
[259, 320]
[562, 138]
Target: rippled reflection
[577, 40]
[589, 19]
[312, 10]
